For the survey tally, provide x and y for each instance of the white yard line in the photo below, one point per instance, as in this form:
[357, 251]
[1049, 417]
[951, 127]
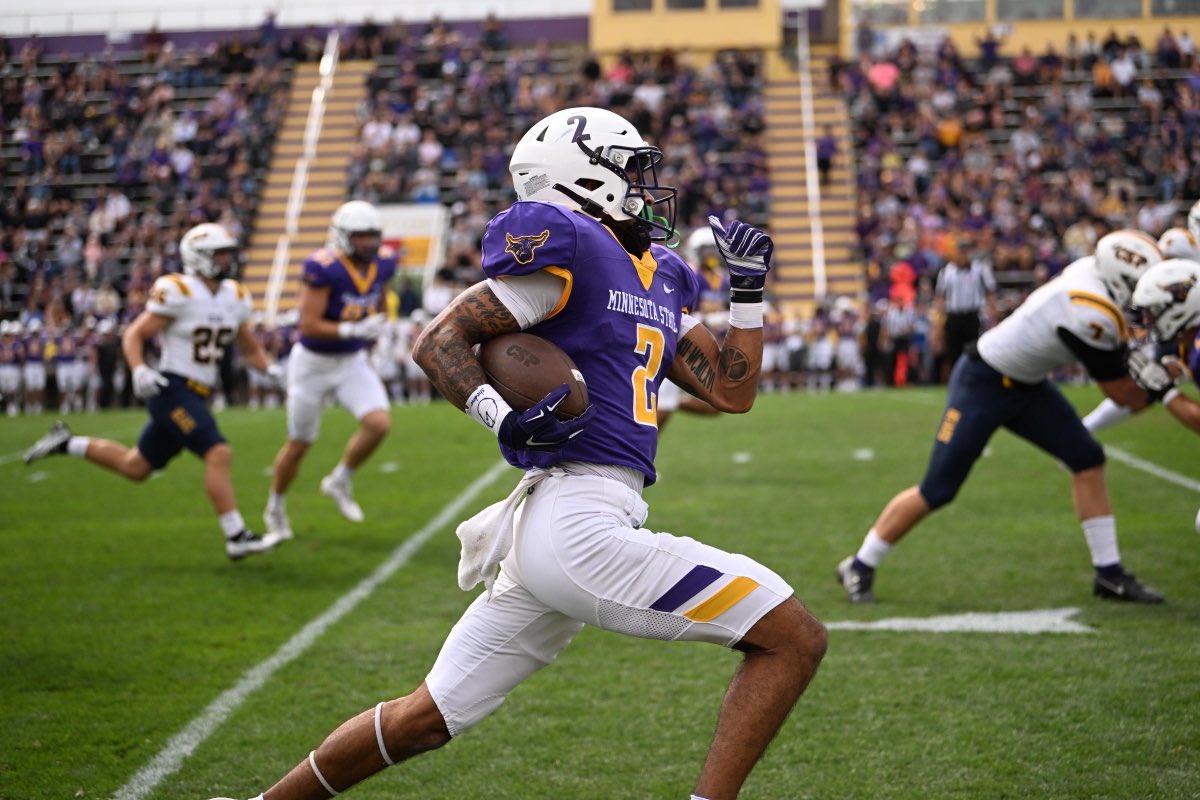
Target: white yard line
[1117, 454]
[1046, 620]
[183, 744]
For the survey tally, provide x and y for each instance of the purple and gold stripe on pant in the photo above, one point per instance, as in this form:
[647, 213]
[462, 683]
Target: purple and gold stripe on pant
[694, 583]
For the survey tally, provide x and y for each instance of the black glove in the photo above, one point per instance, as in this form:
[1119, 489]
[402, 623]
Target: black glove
[538, 428]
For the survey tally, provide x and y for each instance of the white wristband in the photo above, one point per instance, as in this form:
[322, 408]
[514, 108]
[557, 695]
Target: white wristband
[745, 315]
[487, 407]
[1171, 394]
[346, 330]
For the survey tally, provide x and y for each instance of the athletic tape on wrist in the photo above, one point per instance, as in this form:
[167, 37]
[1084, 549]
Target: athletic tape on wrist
[1171, 394]
[487, 407]
[312, 762]
[745, 315]
[379, 735]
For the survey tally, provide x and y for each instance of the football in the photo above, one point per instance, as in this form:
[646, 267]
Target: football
[525, 368]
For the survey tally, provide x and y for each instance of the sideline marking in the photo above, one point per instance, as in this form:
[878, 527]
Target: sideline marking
[1046, 620]
[1131, 460]
[183, 744]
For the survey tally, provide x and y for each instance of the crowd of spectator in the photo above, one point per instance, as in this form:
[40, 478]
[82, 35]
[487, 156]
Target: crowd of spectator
[1020, 163]
[443, 112]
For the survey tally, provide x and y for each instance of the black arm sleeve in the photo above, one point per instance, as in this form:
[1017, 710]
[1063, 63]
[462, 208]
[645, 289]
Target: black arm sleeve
[1102, 365]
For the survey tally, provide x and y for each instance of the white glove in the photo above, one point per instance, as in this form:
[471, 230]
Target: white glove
[275, 373]
[147, 381]
[370, 328]
[1150, 375]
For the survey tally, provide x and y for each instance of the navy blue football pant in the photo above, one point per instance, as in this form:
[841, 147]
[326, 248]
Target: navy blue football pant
[979, 401]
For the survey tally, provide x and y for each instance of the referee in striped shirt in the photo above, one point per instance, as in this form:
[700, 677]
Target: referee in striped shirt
[962, 292]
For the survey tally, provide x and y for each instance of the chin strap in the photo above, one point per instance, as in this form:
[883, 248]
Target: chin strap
[586, 204]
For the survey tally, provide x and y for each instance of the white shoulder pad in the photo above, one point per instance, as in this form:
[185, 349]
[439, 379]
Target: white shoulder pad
[169, 295]
[1096, 320]
[245, 300]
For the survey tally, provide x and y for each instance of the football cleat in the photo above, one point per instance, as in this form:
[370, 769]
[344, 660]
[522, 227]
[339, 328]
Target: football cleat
[856, 582]
[277, 524]
[1125, 587]
[246, 543]
[54, 442]
[340, 493]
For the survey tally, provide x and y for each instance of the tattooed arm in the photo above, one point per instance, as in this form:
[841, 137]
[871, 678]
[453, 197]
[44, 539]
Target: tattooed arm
[445, 349]
[724, 375]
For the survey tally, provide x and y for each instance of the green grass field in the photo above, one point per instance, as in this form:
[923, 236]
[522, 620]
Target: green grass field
[123, 622]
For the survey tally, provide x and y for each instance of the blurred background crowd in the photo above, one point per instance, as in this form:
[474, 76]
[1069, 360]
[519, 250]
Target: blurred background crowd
[1016, 165]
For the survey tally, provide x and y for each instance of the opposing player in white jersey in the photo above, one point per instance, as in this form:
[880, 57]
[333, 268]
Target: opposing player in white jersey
[198, 315]
[1193, 220]
[1174, 243]
[1001, 382]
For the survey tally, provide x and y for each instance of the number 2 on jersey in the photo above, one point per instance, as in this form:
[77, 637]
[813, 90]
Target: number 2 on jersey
[645, 400]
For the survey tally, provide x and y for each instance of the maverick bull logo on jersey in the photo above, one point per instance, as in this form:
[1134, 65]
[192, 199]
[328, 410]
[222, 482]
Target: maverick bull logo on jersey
[522, 247]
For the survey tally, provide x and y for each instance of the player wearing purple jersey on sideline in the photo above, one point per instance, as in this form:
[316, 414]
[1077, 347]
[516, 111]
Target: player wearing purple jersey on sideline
[342, 295]
[11, 356]
[575, 262]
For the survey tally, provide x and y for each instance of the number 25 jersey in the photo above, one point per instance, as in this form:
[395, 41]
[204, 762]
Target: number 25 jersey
[203, 323]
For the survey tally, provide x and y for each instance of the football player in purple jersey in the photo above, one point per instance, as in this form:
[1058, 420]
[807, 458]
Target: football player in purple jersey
[578, 261]
[341, 303]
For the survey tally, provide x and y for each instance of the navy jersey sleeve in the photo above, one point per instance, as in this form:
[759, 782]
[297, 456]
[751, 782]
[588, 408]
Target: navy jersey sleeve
[528, 237]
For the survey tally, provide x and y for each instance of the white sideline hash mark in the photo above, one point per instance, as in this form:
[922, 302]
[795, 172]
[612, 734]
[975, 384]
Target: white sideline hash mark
[183, 744]
[388, 467]
[1047, 620]
[741, 458]
[864, 454]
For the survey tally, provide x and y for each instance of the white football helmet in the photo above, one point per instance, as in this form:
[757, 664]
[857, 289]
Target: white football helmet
[355, 217]
[697, 242]
[1179, 243]
[1121, 258]
[200, 245]
[594, 161]
[1193, 222]
[1168, 297]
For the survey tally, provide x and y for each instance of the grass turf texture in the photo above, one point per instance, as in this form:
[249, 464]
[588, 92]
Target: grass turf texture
[123, 620]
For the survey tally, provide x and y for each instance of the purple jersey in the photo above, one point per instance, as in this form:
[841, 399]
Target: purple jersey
[67, 347]
[11, 352]
[353, 295]
[35, 349]
[714, 290]
[618, 321]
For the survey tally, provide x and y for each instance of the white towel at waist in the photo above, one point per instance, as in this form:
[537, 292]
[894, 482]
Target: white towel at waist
[488, 536]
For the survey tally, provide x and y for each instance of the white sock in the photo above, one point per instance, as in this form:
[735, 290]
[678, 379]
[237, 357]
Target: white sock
[232, 523]
[77, 446]
[873, 549]
[276, 501]
[1101, 535]
[698, 797]
[1105, 414]
[341, 473]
